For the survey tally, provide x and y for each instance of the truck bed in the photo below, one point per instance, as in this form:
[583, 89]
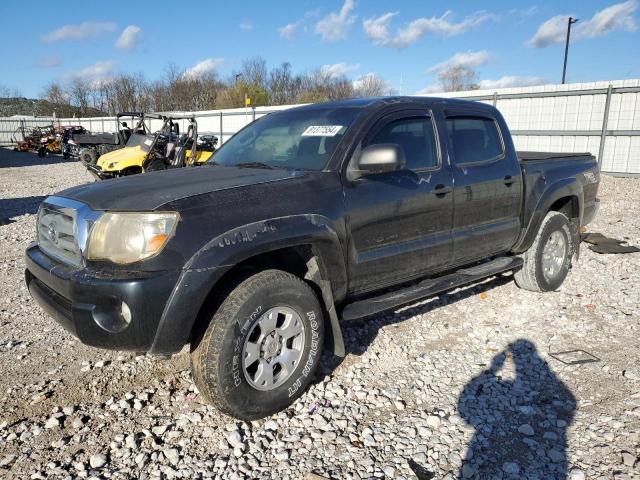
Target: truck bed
[526, 156]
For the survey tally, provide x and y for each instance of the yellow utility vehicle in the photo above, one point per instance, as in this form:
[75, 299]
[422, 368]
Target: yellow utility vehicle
[161, 150]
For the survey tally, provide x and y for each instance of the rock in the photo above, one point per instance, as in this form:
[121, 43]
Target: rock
[97, 460]
[576, 474]
[628, 459]
[7, 460]
[511, 468]
[271, 425]
[526, 429]
[235, 439]
[433, 421]
[556, 455]
[52, 422]
[282, 455]
[468, 470]
[172, 455]
[77, 423]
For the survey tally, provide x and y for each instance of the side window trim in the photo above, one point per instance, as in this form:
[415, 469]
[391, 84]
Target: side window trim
[405, 115]
[494, 159]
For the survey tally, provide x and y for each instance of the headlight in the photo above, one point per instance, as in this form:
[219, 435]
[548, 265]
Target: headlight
[130, 237]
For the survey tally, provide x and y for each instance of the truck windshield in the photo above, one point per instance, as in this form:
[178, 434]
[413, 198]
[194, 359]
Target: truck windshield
[303, 139]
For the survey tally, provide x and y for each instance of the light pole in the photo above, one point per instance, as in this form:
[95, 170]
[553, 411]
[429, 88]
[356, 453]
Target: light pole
[566, 47]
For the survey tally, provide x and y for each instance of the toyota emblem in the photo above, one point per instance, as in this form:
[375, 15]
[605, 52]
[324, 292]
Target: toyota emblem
[52, 233]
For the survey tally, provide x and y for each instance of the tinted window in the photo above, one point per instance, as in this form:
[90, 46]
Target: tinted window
[473, 139]
[296, 139]
[415, 136]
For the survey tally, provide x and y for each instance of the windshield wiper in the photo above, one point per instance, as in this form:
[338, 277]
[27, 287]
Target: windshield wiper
[254, 165]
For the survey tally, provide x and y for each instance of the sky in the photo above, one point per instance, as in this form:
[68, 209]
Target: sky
[509, 43]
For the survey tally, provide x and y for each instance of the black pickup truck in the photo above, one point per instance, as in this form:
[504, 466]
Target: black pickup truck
[304, 219]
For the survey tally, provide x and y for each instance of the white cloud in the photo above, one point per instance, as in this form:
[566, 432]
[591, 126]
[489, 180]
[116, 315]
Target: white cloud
[377, 28]
[96, 74]
[509, 81]
[615, 17]
[553, 30]
[128, 39]
[204, 67]
[462, 59]
[79, 31]
[246, 25]
[339, 69]
[429, 89]
[288, 31]
[50, 61]
[334, 26]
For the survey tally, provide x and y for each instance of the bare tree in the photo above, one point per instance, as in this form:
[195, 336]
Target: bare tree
[178, 91]
[371, 85]
[283, 86]
[458, 78]
[80, 92]
[54, 93]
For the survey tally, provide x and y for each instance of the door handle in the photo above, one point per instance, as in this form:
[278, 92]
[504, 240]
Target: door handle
[441, 190]
[509, 180]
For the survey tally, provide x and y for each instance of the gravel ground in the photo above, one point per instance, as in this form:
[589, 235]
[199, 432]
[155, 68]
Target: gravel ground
[472, 384]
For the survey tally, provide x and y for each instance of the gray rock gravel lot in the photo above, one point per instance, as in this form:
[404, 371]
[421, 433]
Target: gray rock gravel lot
[472, 384]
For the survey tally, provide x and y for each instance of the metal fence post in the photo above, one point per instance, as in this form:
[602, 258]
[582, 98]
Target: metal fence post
[605, 122]
[253, 114]
[495, 98]
[221, 128]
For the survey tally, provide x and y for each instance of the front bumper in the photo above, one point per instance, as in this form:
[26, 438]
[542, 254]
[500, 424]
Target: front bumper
[98, 173]
[88, 303]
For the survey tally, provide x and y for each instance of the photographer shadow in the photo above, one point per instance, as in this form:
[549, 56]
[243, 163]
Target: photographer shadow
[521, 422]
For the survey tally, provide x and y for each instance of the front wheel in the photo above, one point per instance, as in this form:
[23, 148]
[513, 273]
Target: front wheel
[547, 262]
[262, 346]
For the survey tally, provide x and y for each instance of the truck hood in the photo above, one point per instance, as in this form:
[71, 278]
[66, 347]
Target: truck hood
[150, 191]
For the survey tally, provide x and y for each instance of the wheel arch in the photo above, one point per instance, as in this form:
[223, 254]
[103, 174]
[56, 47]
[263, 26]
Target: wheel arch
[304, 245]
[564, 196]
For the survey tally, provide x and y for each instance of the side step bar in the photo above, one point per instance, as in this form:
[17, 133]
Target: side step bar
[426, 288]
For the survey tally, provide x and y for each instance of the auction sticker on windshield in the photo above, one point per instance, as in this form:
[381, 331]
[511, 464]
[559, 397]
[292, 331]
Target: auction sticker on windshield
[321, 130]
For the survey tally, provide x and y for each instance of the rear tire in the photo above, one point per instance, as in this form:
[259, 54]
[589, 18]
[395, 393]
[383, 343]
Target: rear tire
[548, 260]
[262, 346]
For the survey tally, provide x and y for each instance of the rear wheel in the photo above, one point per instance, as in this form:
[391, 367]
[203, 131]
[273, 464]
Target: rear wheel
[547, 262]
[262, 346]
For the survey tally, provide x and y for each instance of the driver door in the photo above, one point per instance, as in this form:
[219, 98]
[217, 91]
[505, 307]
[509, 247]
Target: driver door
[400, 222]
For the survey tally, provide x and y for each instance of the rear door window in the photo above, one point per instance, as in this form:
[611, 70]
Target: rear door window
[474, 139]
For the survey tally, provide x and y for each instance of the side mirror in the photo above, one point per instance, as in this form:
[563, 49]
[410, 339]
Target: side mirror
[379, 158]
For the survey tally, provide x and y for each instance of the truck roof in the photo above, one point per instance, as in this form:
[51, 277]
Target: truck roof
[372, 102]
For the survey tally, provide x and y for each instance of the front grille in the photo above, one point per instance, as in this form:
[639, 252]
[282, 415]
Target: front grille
[57, 233]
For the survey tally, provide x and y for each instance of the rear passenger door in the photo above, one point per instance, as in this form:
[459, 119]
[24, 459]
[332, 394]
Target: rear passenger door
[400, 222]
[487, 186]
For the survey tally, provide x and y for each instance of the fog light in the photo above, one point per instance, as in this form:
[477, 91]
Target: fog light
[125, 313]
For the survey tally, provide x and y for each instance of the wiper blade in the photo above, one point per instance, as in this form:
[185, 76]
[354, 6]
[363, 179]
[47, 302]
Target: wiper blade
[254, 165]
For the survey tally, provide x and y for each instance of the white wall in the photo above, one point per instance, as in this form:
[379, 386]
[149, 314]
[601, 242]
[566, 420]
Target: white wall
[583, 112]
[571, 123]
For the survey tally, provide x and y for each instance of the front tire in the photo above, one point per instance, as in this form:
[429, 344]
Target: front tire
[262, 346]
[547, 261]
